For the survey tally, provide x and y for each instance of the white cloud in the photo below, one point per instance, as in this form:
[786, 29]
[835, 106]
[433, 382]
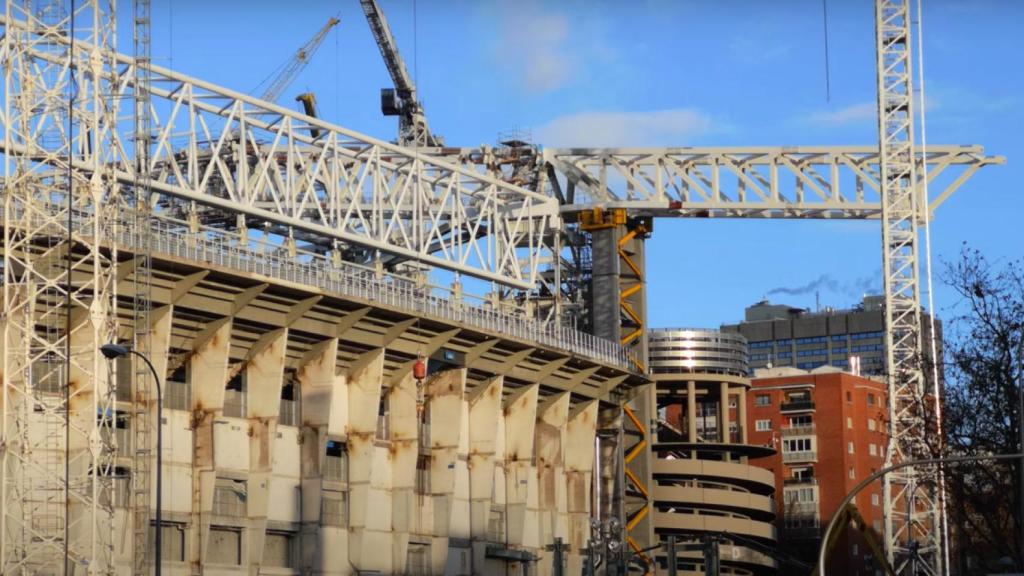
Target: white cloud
[670, 127]
[853, 114]
[532, 46]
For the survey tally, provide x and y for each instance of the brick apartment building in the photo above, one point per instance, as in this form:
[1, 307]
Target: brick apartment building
[829, 428]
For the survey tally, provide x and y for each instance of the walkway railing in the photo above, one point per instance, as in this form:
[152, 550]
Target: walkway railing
[359, 282]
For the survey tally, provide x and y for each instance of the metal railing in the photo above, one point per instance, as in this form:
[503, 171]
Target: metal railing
[803, 430]
[812, 481]
[796, 405]
[361, 283]
[801, 456]
[212, 246]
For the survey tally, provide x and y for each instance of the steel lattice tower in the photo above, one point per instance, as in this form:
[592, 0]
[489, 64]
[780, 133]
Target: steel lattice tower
[912, 502]
[58, 291]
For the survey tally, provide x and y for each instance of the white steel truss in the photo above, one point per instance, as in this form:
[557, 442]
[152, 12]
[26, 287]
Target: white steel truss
[140, 388]
[228, 155]
[58, 408]
[747, 182]
[912, 495]
[223, 160]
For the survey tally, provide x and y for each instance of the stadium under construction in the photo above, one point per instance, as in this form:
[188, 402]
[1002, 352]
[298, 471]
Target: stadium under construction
[337, 354]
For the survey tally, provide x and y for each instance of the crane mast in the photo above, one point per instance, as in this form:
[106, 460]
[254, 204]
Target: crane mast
[913, 510]
[290, 70]
[401, 100]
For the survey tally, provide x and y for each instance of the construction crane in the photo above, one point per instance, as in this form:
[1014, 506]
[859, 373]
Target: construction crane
[315, 198]
[401, 100]
[287, 72]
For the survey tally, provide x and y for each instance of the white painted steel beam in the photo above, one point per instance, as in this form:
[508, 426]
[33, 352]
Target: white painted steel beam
[820, 182]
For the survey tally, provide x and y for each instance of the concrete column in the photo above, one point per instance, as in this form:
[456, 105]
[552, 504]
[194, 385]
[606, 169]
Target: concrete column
[691, 411]
[324, 408]
[723, 412]
[445, 393]
[604, 305]
[579, 466]
[369, 501]
[741, 403]
[402, 455]
[484, 414]
[549, 433]
[520, 481]
[264, 374]
[208, 366]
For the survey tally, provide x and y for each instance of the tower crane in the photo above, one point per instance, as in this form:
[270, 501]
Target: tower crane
[287, 72]
[401, 100]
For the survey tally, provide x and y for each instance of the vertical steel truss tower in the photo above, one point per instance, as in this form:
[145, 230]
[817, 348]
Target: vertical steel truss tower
[142, 404]
[912, 499]
[56, 439]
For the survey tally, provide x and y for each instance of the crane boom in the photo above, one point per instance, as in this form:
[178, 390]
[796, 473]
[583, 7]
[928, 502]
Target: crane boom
[400, 101]
[291, 69]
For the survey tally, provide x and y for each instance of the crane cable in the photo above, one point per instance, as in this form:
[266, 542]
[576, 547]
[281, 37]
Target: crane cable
[943, 525]
[828, 75]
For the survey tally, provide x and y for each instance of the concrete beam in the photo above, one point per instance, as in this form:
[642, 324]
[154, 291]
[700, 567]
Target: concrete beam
[520, 479]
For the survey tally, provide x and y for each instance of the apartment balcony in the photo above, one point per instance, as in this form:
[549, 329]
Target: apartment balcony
[793, 510]
[800, 481]
[801, 456]
[804, 430]
[802, 532]
[797, 406]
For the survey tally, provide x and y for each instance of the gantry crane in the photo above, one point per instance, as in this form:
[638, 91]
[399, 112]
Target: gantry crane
[401, 100]
[288, 71]
[340, 188]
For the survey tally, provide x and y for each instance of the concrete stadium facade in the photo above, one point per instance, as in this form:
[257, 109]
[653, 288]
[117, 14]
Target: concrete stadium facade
[298, 441]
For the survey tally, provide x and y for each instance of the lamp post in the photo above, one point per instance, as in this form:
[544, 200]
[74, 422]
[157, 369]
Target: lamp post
[864, 484]
[112, 352]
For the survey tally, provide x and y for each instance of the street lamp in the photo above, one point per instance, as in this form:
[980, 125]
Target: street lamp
[113, 352]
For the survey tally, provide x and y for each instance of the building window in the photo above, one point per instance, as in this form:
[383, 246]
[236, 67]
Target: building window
[172, 540]
[803, 473]
[790, 445]
[423, 475]
[288, 413]
[802, 494]
[225, 546]
[856, 549]
[732, 402]
[802, 420]
[279, 549]
[178, 389]
[871, 424]
[849, 447]
[839, 337]
[852, 474]
[763, 425]
[417, 559]
[384, 416]
[335, 462]
[877, 525]
[874, 499]
[762, 400]
[849, 396]
[334, 508]
[229, 497]
[496, 523]
[235, 396]
[872, 449]
[871, 399]
[849, 422]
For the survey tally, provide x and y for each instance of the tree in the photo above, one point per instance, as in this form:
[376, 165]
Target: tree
[984, 367]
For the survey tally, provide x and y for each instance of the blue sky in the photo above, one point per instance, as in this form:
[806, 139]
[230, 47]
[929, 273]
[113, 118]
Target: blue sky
[660, 73]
